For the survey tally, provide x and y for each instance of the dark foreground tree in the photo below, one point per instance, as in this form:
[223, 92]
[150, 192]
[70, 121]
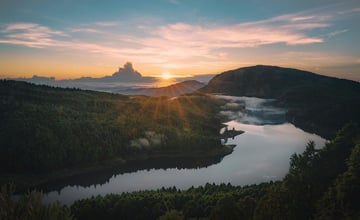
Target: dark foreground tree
[29, 207]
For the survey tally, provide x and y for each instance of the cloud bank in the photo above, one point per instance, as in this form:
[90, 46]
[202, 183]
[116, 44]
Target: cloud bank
[172, 40]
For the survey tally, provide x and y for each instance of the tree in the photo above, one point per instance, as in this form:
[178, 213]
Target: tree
[341, 200]
[172, 215]
[29, 206]
[226, 208]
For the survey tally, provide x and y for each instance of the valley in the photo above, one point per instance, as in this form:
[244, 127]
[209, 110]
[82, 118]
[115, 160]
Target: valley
[76, 144]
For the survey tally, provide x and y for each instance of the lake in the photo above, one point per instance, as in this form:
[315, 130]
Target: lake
[261, 154]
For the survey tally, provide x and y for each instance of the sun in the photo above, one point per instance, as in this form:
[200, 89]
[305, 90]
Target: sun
[166, 75]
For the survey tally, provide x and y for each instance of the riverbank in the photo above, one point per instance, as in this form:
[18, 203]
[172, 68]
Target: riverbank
[102, 171]
[231, 133]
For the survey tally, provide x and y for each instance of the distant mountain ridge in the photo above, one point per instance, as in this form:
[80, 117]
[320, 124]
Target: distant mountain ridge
[127, 73]
[176, 89]
[126, 80]
[316, 103]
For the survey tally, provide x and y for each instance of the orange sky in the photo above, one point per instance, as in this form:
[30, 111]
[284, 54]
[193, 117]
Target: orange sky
[62, 68]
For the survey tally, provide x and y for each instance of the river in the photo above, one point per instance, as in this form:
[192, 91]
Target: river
[261, 154]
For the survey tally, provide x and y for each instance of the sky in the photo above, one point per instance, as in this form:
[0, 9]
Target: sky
[69, 39]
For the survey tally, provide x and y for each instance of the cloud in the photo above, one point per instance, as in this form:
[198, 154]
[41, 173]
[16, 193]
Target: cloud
[349, 11]
[30, 35]
[33, 28]
[177, 43]
[181, 40]
[85, 30]
[303, 18]
[334, 33]
[235, 36]
[107, 23]
[37, 36]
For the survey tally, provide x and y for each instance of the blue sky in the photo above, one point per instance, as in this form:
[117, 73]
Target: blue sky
[68, 39]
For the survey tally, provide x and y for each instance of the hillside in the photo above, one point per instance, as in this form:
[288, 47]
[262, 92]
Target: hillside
[275, 82]
[45, 129]
[170, 91]
[316, 103]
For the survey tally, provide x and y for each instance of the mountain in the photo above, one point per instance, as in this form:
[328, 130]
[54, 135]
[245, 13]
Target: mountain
[47, 128]
[272, 82]
[170, 91]
[316, 103]
[126, 75]
[127, 81]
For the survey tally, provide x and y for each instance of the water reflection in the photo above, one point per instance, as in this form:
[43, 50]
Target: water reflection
[261, 154]
[102, 176]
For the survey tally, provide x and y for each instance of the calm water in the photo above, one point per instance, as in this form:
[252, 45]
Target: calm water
[261, 154]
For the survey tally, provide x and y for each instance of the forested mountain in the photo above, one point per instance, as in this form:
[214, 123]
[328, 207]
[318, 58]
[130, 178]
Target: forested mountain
[44, 129]
[316, 103]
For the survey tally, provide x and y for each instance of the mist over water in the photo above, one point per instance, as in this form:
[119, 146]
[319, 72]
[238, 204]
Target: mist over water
[251, 110]
[261, 154]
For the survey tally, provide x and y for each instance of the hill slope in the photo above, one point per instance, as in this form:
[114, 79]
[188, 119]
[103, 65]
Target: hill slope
[45, 129]
[274, 82]
[316, 103]
[170, 91]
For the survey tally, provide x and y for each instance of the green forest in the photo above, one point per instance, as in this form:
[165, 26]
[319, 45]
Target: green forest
[322, 183]
[45, 129]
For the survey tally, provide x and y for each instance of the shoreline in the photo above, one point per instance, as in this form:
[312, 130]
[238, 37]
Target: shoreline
[58, 179]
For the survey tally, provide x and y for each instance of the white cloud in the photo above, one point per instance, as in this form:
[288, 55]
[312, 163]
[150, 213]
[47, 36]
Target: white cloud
[33, 28]
[177, 43]
[107, 23]
[334, 33]
[85, 30]
[30, 35]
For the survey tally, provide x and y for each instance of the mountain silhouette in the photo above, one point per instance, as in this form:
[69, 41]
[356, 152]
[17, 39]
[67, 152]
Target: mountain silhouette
[315, 103]
[275, 82]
